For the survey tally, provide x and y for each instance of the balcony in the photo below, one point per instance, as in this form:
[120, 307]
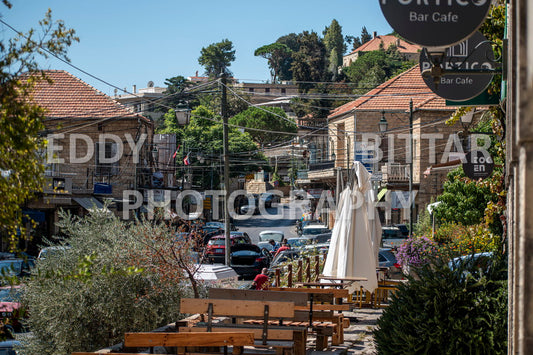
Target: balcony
[395, 173]
[323, 165]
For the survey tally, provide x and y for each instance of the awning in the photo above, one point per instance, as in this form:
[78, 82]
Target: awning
[89, 203]
[382, 193]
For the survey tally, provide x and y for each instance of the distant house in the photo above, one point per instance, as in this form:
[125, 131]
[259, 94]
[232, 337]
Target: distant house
[143, 101]
[355, 133]
[409, 51]
[97, 149]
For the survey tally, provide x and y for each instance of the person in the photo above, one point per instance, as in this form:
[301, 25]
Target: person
[275, 245]
[284, 246]
[261, 280]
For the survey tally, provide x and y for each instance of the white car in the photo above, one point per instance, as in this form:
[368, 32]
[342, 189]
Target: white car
[314, 229]
[277, 236]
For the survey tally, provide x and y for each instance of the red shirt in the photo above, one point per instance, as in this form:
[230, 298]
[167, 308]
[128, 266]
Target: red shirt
[261, 282]
[282, 249]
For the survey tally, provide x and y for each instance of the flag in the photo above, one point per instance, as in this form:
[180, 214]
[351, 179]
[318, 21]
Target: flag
[176, 152]
[186, 160]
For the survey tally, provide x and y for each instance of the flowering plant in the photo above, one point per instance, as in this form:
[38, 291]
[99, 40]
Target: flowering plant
[416, 251]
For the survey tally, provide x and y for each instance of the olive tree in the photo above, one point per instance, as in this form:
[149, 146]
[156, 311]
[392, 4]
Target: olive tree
[112, 277]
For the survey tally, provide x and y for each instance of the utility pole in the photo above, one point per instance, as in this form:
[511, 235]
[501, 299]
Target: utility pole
[223, 112]
[411, 199]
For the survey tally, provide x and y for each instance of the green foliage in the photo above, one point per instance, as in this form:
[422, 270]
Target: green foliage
[217, 57]
[374, 68]
[335, 47]
[276, 53]
[21, 170]
[204, 134]
[309, 62]
[105, 284]
[443, 311]
[465, 201]
[264, 124]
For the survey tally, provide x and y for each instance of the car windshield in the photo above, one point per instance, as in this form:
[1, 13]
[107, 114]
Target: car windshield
[216, 242]
[8, 294]
[295, 243]
[314, 231]
[10, 267]
[266, 236]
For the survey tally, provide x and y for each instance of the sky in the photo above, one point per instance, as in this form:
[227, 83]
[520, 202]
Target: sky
[126, 43]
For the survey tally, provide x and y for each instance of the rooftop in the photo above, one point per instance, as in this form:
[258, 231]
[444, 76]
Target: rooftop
[68, 97]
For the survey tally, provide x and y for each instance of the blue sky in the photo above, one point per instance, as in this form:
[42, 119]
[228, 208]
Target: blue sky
[131, 42]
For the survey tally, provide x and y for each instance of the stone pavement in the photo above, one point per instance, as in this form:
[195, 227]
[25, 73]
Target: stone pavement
[358, 337]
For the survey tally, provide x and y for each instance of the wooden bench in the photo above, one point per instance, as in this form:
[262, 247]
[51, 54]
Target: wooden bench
[310, 311]
[319, 303]
[183, 341]
[283, 340]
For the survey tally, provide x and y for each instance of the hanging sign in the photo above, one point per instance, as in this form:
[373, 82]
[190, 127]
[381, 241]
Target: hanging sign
[435, 23]
[478, 165]
[473, 53]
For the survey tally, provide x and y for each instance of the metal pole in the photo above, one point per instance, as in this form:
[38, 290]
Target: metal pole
[411, 199]
[226, 171]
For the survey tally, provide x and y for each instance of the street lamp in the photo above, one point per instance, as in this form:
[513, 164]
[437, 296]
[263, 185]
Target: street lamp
[383, 124]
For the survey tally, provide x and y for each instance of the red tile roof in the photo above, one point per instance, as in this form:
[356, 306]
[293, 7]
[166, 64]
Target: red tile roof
[387, 40]
[68, 97]
[395, 94]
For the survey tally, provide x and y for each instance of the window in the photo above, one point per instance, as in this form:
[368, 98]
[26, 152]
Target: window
[267, 90]
[109, 151]
[283, 90]
[251, 89]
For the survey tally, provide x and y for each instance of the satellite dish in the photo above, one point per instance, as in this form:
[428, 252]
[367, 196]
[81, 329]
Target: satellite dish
[150, 84]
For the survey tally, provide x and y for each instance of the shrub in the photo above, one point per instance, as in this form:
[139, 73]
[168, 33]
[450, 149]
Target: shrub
[87, 297]
[416, 251]
[447, 311]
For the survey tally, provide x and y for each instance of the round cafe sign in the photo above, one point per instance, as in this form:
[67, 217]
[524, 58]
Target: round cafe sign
[435, 23]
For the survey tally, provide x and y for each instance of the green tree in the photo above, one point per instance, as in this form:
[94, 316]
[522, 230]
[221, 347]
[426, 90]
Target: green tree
[217, 57]
[276, 54]
[365, 36]
[335, 47]
[265, 124]
[204, 135]
[309, 62]
[291, 41]
[109, 281]
[21, 169]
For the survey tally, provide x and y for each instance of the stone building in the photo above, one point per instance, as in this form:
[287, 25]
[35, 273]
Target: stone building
[97, 149]
[375, 129]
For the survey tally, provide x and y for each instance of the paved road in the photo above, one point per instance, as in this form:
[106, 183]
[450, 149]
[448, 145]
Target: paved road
[282, 218]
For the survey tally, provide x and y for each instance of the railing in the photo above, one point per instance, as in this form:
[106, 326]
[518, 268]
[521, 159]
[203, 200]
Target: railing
[326, 164]
[395, 172]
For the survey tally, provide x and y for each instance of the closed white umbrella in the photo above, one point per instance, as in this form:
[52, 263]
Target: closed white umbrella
[352, 253]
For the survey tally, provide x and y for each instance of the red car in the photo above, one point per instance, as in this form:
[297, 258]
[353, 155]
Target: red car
[11, 312]
[215, 249]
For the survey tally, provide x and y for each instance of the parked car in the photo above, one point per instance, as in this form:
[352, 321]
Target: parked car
[392, 237]
[266, 245]
[215, 250]
[51, 250]
[320, 238]
[245, 209]
[248, 260]
[313, 229]
[387, 258]
[277, 236]
[7, 347]
[286, 255]
[16, 267]
[219, 225]
[11, 312]
[268, 199]
[296, 243]
[472, 263]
